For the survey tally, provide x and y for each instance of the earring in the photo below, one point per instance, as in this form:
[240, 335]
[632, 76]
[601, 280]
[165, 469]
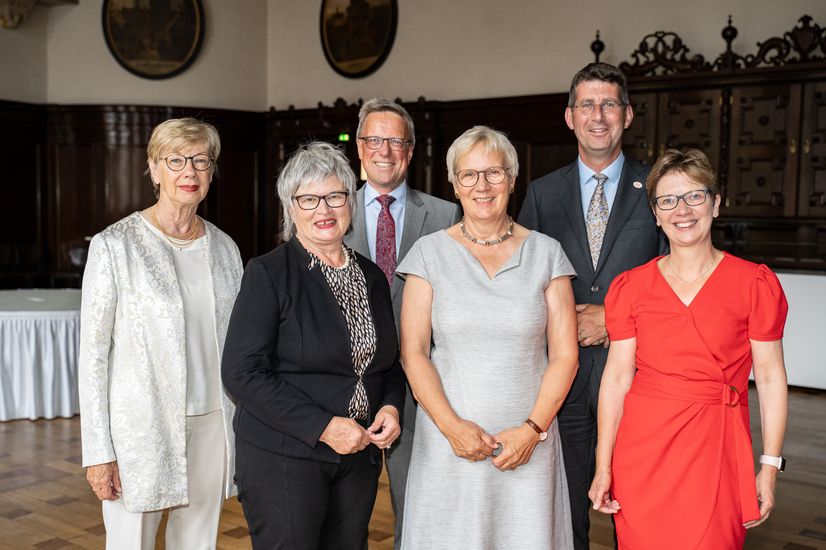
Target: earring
[511, 191]
[456, 194]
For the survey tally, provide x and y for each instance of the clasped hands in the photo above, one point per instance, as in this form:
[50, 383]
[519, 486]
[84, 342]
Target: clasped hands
[346, 436]
[472, 443]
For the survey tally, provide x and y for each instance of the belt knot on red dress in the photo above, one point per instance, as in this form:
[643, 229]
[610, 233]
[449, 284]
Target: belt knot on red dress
[731, 396]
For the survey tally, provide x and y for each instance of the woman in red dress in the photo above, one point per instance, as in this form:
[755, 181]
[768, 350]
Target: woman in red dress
[674, 457]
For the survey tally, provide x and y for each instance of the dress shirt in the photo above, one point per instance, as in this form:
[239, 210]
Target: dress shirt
[372, 207]
[587, 183]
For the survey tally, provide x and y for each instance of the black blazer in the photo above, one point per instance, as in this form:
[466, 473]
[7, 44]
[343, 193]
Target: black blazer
[287, 359]
[553, 206]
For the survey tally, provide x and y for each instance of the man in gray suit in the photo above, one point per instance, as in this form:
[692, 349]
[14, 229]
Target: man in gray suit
[572, 205]
[385, 144]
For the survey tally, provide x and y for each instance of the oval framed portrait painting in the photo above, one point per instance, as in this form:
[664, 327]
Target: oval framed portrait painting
[154, 38]
[357, 35]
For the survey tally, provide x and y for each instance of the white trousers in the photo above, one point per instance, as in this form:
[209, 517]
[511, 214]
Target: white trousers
[190, 527]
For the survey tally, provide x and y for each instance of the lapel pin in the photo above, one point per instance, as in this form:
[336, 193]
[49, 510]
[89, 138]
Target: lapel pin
[638, 185]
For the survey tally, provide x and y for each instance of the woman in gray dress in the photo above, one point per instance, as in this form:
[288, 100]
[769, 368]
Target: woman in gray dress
[488, 341]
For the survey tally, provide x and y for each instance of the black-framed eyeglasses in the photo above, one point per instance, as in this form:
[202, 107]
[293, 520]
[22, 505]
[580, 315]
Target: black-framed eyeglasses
[470, 177]
[395, 143]
[336, 199]
[608, 106]
[176, 162]
[692, 198]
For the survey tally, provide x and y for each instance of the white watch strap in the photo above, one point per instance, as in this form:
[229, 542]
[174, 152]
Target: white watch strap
[775, 461]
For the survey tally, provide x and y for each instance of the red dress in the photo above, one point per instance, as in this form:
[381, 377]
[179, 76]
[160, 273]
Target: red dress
[683, 470]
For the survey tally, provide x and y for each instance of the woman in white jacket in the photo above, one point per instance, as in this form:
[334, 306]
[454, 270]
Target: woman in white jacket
[158, 291]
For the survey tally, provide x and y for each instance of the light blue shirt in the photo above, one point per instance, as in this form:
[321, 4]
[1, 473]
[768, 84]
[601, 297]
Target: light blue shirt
[587, 183]
[372, 208]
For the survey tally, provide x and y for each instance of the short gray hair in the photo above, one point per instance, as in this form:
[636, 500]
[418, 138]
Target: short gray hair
[312, 162]
[493, 140]
[380, 105]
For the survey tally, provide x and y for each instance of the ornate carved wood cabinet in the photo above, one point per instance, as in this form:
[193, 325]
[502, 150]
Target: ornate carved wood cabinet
[760, 118]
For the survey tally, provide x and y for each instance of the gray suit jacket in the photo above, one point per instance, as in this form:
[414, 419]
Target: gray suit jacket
[423, 214]
[553, 206]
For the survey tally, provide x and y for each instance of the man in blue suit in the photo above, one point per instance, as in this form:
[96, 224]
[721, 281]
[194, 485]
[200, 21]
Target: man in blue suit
[386, 138]
[597, 208]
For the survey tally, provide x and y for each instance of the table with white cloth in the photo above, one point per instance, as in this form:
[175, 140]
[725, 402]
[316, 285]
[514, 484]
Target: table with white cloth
[39, 342]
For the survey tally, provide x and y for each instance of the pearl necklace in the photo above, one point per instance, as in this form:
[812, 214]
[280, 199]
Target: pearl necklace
[502, 238]
[700, 276]
[178, 242]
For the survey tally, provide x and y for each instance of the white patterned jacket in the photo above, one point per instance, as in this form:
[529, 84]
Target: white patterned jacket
[132, 373]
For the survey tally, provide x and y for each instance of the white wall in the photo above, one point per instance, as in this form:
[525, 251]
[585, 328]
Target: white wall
[803, 337]
[65, 60]
[259, 53]
[463, 49]
[23, 60]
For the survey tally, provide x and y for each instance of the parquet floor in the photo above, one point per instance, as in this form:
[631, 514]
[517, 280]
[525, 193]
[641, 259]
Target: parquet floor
[45, 503]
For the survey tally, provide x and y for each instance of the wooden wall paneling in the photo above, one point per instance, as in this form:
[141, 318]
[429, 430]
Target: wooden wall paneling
[812, 199]
[764, 151]
[234, 200]
[125, 187]
[77, 199]
[690, 118]
[639, 141]
[23, 258]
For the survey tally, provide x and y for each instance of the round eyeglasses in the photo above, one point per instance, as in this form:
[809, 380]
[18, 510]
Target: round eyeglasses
[608, 107]
[692, 198]
[395, 143]
[176, 162]
[470, 177]
[336, 199]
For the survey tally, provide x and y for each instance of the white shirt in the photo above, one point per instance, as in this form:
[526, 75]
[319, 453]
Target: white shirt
[203, 387]
[372, 208]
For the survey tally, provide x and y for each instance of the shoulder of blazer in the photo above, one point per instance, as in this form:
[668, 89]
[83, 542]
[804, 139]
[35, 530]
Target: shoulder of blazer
[637, 171]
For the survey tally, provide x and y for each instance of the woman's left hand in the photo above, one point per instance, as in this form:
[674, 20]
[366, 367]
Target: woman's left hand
[766, 481]
[517, 447]
[385, 428]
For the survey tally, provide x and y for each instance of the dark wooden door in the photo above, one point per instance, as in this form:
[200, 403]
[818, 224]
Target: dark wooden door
[764, 149]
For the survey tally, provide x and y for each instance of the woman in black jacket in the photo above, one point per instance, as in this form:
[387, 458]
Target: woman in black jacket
[311, 358]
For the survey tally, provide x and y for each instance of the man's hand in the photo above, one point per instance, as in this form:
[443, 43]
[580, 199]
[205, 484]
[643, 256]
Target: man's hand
[590, 324]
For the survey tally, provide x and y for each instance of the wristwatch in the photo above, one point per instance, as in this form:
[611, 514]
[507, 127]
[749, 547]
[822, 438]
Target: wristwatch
[543, 435]
[777, 461]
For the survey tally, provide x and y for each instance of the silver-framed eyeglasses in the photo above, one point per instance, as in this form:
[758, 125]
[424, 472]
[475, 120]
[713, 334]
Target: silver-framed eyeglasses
[692, 198]
[395, 143]
[336, 199]
[176, 162]
[470, 177]
[609, 106]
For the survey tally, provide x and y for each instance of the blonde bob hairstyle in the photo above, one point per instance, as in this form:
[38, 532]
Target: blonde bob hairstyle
[493, 141]
[176, 134]
[692, 163]
[313, 161]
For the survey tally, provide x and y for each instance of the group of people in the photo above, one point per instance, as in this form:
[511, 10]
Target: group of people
[512, 374]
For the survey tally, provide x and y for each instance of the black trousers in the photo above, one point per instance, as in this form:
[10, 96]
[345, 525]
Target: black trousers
[578, 433]
[301, 504]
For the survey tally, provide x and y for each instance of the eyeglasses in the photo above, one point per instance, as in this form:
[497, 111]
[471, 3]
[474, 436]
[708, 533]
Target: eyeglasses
[692, 198]
[470, 177]
[395, 143]
[336, 199]
[607, 107]
[176, 162]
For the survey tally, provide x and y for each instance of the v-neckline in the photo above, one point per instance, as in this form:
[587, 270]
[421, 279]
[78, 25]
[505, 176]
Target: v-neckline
[702, 287]
[506, 265]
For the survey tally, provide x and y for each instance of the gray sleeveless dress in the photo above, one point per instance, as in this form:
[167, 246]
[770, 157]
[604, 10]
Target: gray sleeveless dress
[489, 347]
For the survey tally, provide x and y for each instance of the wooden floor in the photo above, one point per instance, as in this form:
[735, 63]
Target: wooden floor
[46, 504]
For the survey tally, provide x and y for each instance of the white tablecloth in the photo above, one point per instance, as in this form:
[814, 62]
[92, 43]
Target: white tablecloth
[39, 337]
